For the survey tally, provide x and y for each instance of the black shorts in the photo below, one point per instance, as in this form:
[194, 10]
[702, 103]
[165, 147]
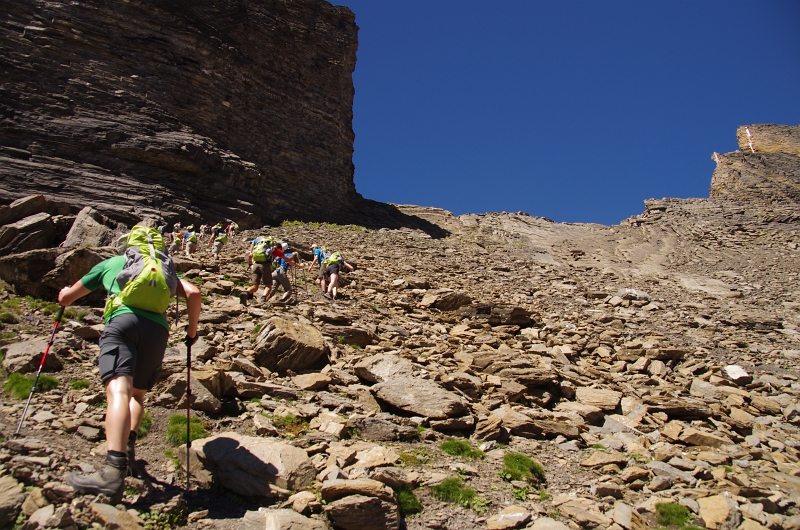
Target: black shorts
[133, 345]
[332, 269]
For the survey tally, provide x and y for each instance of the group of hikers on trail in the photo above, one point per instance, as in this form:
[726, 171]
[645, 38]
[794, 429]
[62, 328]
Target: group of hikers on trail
[141, 284]
[186, 238]
[270, 261]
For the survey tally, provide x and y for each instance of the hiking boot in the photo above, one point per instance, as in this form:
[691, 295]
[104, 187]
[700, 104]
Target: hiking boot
[327, 295]
[133, 468]
[243, 299]
[110, 481]
[262, 299]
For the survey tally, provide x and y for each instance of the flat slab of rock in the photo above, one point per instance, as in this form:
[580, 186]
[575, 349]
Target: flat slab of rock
[314, 381]
[510, 517]
[380, 368]
[26, 356]
[421, 396]
[252, 466]
[336, 489]
[285, 519]
[109, 517]
[598, 397]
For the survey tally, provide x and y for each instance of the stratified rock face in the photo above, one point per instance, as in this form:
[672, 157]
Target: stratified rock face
[767, 169]
[233, 109]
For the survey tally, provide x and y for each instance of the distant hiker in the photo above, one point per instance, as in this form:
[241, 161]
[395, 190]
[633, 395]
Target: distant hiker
[232, 228]
[218, 242]
[203, 232]
[263, 252]
[216, 231]
[279, 274]
[320, 253]
[191, 244]
[141, 284]
[176, 242]
[335, 263]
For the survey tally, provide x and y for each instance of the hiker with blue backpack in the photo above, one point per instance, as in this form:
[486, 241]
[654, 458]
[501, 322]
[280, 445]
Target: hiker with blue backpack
[141, 284]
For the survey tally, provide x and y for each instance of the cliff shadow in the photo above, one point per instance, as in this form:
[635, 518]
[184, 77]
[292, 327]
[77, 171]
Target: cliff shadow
[376, 215]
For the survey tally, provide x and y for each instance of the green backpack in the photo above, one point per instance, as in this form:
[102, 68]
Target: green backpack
[336, 257]
[262, 251]
[148, 280]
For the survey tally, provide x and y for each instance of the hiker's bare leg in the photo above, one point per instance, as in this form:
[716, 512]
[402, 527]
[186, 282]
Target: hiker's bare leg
[333, 281]
[137, 408]
[119, 393]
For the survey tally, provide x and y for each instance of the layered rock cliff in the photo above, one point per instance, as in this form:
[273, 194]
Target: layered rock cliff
[234, 109]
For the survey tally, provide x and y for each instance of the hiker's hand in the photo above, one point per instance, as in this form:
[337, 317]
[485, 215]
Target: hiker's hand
[191, 340]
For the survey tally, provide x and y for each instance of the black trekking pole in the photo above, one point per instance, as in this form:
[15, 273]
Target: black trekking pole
[188, 405]
[41, 365]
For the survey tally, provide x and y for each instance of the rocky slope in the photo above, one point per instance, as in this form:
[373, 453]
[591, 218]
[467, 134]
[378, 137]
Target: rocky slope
[650, 363]
[235, 109]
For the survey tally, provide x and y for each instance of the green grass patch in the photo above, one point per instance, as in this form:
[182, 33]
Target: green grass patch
[450, 490]
[672, 514]
[291, 426]
[75, 314]
[257, 329]
[12, 302]
[7, 317]
[454, 447]
[176, 429]
[19, 386]
[5, 335]
[147, 422]
[79, 384]
[408, 502]
[517, 466]
[417, 457]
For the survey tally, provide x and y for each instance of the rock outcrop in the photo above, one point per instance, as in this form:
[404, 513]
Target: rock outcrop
[236, 109]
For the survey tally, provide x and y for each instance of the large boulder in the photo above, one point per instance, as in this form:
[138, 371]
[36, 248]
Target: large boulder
[420, 396]
[35, 231]
[25, 271]
[285, 343]
[251, 466]
[88, 230]
[22, 208]
[361, 512]
[72, 265]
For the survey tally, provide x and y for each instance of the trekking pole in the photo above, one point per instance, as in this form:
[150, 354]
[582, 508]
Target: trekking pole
[188, 406]
[39, 371]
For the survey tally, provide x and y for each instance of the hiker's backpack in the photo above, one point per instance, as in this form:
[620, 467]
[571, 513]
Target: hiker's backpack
[193, 237]
[324, 254]
[334, 258]
[148, 280]
[262, 251]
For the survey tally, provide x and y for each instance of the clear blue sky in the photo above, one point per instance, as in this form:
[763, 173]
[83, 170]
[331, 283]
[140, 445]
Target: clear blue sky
[572, 110]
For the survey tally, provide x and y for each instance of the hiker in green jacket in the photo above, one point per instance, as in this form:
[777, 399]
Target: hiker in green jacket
[191, 244]
[132, 347]
[218, 242]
